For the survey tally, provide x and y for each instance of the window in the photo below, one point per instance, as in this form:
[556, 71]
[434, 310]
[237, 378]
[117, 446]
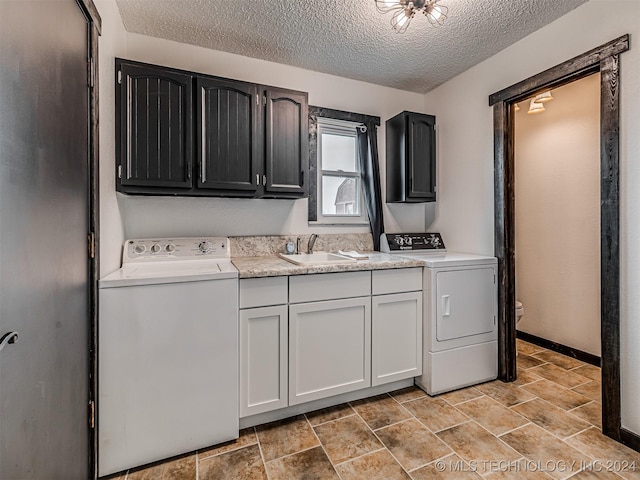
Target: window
[339, 189]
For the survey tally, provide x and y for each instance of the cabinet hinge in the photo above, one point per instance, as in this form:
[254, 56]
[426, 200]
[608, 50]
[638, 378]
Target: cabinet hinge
[120, 77]
[119, 171]
[91, 244]
[91, 73]
[92, 414]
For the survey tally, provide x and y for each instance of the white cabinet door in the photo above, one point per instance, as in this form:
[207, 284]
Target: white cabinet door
[396, 337]
[329, 348]
[263, 359]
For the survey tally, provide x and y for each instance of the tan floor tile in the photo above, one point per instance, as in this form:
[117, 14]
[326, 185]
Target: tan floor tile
[308, 465]
[517, 470]
[449, 468]
[474, 444]
[380, 411]
[525, 377]
[556, 394]
[527, 348]
[247, 437]
[412, 444]
[559, 375]
[538, 445]
[285, 437]
[435, 413]
[592, 390]
[492, 415]
[378, 465]
[595, 475]
[550, 417]
[459, 396]
[346, 438]
[525, 361]
[604, 449]
[406, 394]
[591, 412]
[590, 371]
[245, 464]
[329, 414]
[181, 469]
[559, 359]
[505, 393]
[149, 473]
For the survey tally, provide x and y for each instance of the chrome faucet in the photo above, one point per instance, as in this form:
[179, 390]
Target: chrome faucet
[312, 241]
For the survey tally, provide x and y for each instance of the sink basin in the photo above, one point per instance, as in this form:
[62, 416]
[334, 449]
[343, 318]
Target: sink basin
[318, 258]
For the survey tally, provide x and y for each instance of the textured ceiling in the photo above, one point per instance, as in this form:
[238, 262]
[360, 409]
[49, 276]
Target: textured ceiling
[348, 38]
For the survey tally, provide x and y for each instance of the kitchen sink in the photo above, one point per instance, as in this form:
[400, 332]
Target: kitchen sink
[317, 258]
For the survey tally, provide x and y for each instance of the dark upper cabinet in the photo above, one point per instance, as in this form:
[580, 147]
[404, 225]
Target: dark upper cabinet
[229, 135]
[182, 133]
[286, 142]
[411, 158]
[154, 111]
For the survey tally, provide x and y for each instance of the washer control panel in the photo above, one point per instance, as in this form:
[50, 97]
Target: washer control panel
[398, 242]
[168, 249]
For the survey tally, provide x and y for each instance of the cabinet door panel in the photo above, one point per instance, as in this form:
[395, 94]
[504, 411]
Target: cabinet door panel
[229, 140]
[263, 359]
[329, 348]
[421, 157]
[287, 142]
[396, 324]
[155, 127]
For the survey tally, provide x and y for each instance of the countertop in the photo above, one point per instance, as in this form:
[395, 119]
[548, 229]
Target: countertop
[274, 266]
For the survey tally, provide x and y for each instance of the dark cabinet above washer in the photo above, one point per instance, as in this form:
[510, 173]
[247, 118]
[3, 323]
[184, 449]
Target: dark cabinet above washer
[184, 133]
[411, 158]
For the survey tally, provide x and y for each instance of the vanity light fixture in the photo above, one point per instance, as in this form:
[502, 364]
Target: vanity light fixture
[405, 10]
[543, 97]
[535, 107]
[517, 108]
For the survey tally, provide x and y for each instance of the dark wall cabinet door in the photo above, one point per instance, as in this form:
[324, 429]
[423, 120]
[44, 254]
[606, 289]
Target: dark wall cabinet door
[155, 127]
[229, 142]
[411, 158]
[286, 143]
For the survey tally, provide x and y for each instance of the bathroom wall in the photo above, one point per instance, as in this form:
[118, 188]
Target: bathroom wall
[557, 187]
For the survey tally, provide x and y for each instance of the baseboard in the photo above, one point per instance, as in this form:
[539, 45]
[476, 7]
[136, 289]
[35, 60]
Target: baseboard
[630, 439]
[558, 347]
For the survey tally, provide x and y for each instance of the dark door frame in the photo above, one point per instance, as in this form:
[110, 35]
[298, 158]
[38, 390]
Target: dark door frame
[603, 59]
[94, 24]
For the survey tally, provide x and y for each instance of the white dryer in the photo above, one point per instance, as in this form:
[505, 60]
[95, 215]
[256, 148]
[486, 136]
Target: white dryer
[460, 334]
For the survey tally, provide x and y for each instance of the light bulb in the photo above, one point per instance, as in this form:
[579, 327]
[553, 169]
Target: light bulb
[435, 12]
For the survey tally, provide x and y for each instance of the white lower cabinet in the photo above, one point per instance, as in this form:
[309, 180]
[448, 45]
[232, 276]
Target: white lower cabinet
[329, 348]
[396, 325]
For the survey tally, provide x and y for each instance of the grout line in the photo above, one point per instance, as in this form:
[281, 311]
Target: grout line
[529, 422]
[264, 463]
[197, 467]
[320, 441]
[383, 448]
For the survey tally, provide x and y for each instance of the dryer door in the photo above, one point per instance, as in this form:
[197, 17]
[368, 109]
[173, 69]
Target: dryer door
[466, 304]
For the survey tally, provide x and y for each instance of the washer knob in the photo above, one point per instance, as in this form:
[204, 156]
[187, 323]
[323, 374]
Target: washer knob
[407, 240]
[139, 249]
[170, 248]
[400, 240]
[205, 247]
[155, 248]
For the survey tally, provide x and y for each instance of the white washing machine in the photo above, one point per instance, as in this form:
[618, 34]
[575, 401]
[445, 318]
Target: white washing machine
[460, 334]
[168, 352]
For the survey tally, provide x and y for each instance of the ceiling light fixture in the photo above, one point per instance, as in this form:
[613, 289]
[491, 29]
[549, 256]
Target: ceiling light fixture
[543, 97]
[405, 10]
[535, 107]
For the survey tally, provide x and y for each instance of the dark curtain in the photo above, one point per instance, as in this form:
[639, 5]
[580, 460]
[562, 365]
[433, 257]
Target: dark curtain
[370, 174]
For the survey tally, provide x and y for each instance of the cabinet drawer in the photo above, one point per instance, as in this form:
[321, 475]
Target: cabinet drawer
[397, 280]
[261, 292]
[329, 286]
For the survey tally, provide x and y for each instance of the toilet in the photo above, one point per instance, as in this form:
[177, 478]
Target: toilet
[519, 311]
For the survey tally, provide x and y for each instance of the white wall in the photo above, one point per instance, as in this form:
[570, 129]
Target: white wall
[464, 213]
[169, 216]
[557, 193]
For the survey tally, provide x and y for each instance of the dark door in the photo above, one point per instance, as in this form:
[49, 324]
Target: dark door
[44, 221]
[421, 157]
[156, 127]
[287, 143]
[229, 135]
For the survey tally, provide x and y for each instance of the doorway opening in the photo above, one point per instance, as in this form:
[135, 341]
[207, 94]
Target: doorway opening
[605, 60]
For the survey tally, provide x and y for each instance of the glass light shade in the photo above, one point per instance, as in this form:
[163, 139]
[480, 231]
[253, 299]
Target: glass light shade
[401, 19]
[535, 107]
[543, 97]
[516, 107]
[386, 6]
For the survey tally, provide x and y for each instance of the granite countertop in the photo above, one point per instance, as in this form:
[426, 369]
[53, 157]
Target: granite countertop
[274, 266]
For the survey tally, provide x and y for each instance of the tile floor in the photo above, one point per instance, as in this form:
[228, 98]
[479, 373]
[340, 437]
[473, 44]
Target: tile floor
[545, 425]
